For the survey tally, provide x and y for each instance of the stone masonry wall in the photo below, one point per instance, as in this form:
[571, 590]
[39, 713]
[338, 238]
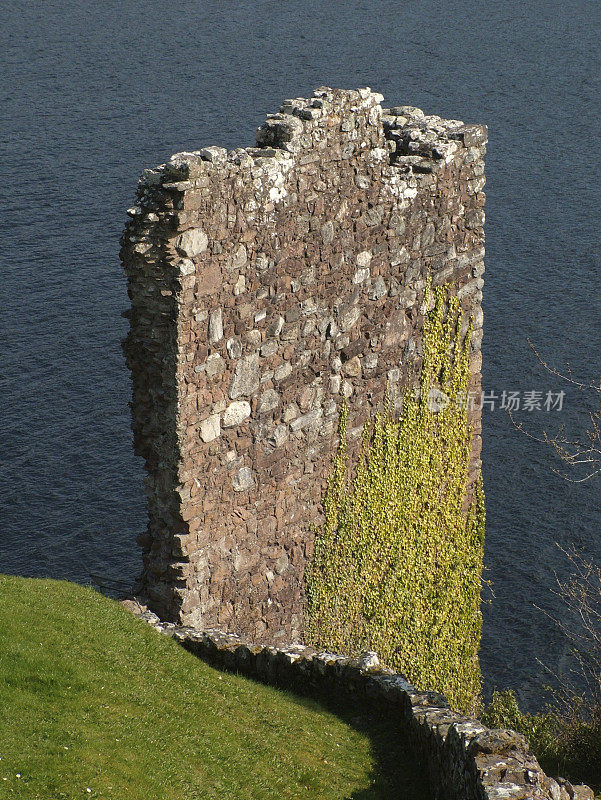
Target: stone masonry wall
[266, 284]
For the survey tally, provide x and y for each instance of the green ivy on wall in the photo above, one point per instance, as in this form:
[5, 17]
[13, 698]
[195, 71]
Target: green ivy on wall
[398, 561]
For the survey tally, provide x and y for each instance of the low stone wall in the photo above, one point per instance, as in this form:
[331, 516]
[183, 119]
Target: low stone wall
[465, 759]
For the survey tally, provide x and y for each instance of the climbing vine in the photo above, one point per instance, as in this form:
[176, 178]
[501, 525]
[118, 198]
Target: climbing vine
[398, 561]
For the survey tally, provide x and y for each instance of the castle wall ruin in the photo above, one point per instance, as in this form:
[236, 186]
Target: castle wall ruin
[266, 284]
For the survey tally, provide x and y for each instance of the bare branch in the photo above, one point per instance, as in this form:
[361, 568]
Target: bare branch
[568, 378]
[579, 692]
[579, 452]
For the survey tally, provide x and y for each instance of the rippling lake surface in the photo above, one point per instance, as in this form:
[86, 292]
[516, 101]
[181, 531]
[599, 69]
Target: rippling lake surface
[92, 93]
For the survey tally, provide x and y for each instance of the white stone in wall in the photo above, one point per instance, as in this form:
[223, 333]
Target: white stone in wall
[349, 318]
[216, 326]
[308, 306]
[193, 242]
[236, 413]
[215, 365]
[238, 258]
[243, 479]
[246, 377]
[240, 286]
[327, 233]
[306, 419]
[276, 327]
[262, 262]
[292, 411]
[362, 181]
[253, 338]
[378, 290]
[277, 193]
[231, 457]
[283, 371]
[234, 348]
[268, 401]
[352, 368]
[186, 267]
[330, 409]
[401, 257]
[279, 436]
[269, 348]
[210, 428]
[361, 275]
[281, 563]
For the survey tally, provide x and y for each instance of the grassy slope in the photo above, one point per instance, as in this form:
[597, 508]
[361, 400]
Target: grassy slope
[93, 703]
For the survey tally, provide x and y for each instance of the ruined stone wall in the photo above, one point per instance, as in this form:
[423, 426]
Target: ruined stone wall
[464, 759]
[266, 284]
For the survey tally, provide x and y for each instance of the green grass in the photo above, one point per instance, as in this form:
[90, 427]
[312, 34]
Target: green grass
[96, 704]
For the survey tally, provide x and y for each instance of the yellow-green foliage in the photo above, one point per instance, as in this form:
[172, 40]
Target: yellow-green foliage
[398, 561]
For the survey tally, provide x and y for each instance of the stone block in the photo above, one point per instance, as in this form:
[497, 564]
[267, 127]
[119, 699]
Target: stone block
[210, 428]
[236, 413]
[192, 242]
[246, 377]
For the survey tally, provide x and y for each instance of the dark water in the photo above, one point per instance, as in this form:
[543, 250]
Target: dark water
[91, 93]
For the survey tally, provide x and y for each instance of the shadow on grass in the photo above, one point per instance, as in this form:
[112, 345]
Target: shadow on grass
[399, 770]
